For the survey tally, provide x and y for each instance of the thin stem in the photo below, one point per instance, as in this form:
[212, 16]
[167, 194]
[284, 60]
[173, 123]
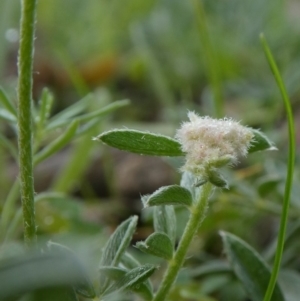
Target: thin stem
[25, 119]
[290, 170]
[196, 217]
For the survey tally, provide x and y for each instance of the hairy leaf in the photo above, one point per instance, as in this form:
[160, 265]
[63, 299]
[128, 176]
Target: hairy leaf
[157, 244]
[260, 142]
[164, 221]
[143, 143]
[249, 267]
[170, 195]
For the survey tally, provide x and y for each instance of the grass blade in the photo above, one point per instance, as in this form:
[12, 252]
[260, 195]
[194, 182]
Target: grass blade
[290, 169]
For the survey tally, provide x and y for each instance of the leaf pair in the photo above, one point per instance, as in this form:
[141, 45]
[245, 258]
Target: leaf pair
[161, 242]
[114, 278]
[145, 143]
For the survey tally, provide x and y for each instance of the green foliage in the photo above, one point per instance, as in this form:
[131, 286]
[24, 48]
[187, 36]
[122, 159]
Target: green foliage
[83, 287]
[34, 271]
[142, 143]
[157, 244]
[7, 104]
[249, 267]
[169, 195]
[117, 245]
[217, 179]
[260, 142]
[57, 144]
[166, 65]
[164, 220]
[133, 279]
[118, 275]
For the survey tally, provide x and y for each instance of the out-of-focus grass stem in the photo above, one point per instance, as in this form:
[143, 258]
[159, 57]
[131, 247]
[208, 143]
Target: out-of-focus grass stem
[210, 58]
[290, 169]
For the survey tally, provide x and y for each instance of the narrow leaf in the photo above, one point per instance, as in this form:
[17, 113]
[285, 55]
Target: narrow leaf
[129, 261]
[45, 106]
[170, 195]
[164, 221]
[71, 111]
[142, 143]
[104, 111]
[249, 267]
[4, 141]
[90, 116]
[132, 279]
[57, 144]
[113, 273]
[118, 242]
[260, 142]
[157, 244]
[8, 116]
[7, 104]
[144, 289]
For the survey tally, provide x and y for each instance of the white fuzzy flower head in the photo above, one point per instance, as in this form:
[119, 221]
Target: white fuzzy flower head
[207, 141]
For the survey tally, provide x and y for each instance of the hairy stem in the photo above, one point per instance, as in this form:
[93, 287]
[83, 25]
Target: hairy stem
[26, 50]
[196, 217]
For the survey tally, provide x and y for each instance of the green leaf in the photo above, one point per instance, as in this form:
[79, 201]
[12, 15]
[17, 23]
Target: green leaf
[188, 181]
[143, 143]
[129, 261]
[7, 104]
[57, 144]
[103, 111]
[157, 244]
[55, 293]
[260, 142]
[64, 116]
[6, 115]
[216, 178]
[117, 245]
[249, 267]
[132, 279]
[113, 273]
[45, 106]
[4, 141]
[164, 220]
[211, 267]
[170, 195]
[144, 289]
[90, 116]
[30, 272]
[289, 281]
[85, 287]
[118, 242]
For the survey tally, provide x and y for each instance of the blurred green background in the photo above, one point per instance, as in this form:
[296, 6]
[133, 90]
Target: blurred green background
[167, 57]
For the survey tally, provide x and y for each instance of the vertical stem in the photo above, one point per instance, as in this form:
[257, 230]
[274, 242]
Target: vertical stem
[24, 117]
[196, 217]
[290, 169]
